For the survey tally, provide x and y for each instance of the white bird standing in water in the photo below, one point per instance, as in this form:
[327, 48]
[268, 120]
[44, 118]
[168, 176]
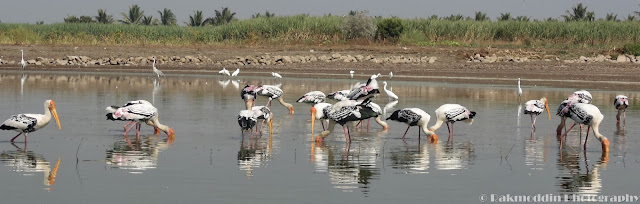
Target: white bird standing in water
[26, 123]
[390, 75]
[276, 75]
[142, 112]
[621, 102]
[351, 73]
[156, 70]
[22, 62]
[224, 71]
[536, 107]
[235, 73]
[519, 91]
[414, 117]
[392, 96]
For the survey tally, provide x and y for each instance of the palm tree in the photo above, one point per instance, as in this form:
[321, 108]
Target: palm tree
[504, 17]
[481, 16]
[522, 18]
[196, 19]
[134, 16]
[222, 17]
[611, 17]
[167, 17]
[148, 20]
[453, 17]
[631, 18]
[578, 13]
[102, 17]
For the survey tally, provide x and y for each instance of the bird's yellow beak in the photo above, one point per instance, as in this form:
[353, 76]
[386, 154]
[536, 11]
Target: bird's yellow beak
[313, 119]
[546, 105]
[54, 112]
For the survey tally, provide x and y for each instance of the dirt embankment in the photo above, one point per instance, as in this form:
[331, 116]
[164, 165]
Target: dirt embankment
[580, 69]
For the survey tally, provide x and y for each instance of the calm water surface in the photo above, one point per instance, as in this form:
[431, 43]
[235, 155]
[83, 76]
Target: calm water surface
[210, 162]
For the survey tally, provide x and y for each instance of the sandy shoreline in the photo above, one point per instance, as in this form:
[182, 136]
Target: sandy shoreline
[450, 66]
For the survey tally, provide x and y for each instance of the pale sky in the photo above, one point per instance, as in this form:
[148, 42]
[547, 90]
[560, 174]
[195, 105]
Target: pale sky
[52, 11]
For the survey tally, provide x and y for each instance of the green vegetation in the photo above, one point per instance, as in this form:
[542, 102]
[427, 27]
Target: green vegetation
[632, 49]
[577, 29]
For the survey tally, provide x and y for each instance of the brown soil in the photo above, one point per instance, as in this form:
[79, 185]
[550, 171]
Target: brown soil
[451, 65]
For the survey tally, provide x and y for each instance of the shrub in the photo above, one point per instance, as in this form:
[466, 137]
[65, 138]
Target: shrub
[632, 49]
[358, 25]
[390, 29]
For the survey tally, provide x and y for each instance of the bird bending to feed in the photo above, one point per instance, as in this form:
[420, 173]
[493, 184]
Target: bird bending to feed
[348, 111]
[519, 90]
[312, 97]
[536, 107]
[248, 94]
[156, 70]
[26, 123]
[224, 71]
[319, 111]
[247, 120]
[351, 73]
[276, 75]
[142, 112]
[581, 96]
[273, 92]
[392, 96]
[235, 73]
[414, 117]
[22, 62]
[451, 113]
[263, 113]
[621, 103]
[586, 114]
[112, 109]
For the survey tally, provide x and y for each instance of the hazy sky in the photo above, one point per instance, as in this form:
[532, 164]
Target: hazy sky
[51, 11]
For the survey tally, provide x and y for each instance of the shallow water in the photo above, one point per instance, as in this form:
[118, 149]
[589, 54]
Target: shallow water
[210, 161]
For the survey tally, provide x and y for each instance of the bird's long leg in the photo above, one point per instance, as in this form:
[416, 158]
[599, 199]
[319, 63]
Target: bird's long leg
[345, 132]
[586, 138]
[419, 134]
[14, 138]
[125, 126]
[534, 121]
[127, 131]
[138, 126]
[262, 123]
[451, 132]
[405, 132]
[566, 132]
[368, 120]
[348, 135]
[25, 138]
[269, 102]
[322, 122]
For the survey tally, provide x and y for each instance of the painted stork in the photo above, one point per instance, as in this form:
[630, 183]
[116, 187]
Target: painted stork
[248, 94]
[348, 111]
[276, 75]
[247, 120]
[586, 114]
[414, 117]
[156, 70]
[319, 111]
[263, 113]
[22, 62]
[581, 96]
[536, 107]
[392, 96]
[224, 71]
[451, 113]
[235, 73]
[312, 97]
[621, 102]
[26, 123]
[339, 95]
[112, 109]
[519, 90]
[273, 92]
[142, 112]
[366, 91]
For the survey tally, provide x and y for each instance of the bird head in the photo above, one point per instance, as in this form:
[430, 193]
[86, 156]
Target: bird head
[171, 133]
[52, 108]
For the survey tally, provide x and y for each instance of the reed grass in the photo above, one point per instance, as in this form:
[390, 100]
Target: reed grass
[304, 29]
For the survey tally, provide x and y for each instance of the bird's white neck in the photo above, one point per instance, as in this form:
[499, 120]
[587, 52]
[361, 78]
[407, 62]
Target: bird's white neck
[160, 126]
[384, 125]
[47, 113]
[436, 126]
[22, 54]
[332, 124]
[426, 130]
